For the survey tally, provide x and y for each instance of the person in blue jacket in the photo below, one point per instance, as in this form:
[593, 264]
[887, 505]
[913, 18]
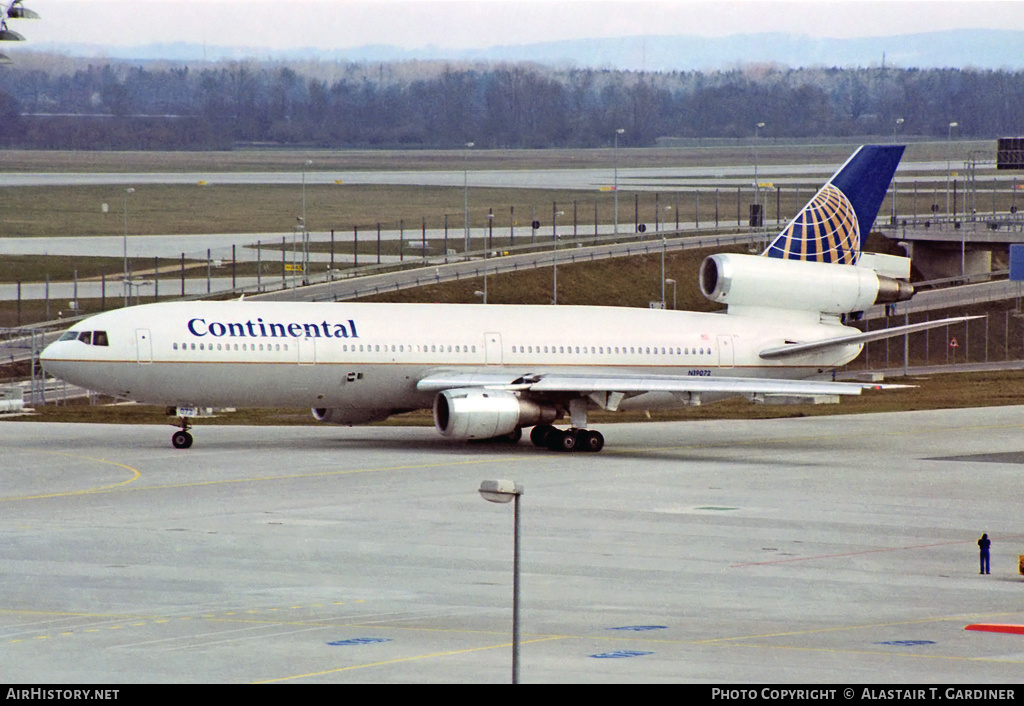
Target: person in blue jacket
[983, 544]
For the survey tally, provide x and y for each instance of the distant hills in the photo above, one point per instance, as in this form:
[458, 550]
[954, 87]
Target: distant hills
[978, 49]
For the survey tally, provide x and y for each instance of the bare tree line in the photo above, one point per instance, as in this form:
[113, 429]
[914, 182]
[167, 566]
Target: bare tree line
[65, 104]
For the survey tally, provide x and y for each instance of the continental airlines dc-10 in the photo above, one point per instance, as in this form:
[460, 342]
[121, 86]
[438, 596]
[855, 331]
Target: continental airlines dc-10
[488, 372]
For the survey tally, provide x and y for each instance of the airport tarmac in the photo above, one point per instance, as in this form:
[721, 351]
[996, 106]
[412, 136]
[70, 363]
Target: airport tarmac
[811, 550]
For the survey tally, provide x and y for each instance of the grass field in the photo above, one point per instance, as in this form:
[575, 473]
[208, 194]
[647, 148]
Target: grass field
[293, 160]
[186, 209]
[624, 282]
[183, 209]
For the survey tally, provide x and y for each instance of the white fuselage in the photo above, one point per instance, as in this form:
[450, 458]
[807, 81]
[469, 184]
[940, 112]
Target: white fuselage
[371, 356]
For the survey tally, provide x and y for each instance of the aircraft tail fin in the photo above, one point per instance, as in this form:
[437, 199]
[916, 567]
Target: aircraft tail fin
[832, 226]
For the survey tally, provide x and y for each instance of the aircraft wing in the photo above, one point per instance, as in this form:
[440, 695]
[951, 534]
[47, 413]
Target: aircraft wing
[587, 384]
[794, 349]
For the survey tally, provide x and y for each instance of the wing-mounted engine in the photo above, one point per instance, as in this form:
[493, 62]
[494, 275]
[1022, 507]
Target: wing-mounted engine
[350, 417]
[478, 413]
[748, 281]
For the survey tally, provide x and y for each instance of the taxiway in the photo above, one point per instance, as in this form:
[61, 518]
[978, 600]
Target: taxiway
[829, 549]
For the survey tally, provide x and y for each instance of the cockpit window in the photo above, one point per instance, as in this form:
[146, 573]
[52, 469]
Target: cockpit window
[92, 338]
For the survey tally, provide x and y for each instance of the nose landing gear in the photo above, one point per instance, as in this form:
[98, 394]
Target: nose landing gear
[181, 439]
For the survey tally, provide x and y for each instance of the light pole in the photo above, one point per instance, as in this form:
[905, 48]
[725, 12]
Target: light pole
[138, 286]
[554, 255]
[899, 121]
[465, 192]
[949, 150]
[127, 288]
[297, 231]
[305, 231]
[673, 283]
[757, 182]
[664, 243]
[504, 491]
[615, 184]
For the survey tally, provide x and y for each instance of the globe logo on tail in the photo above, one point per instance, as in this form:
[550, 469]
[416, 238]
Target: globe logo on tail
[826, 230]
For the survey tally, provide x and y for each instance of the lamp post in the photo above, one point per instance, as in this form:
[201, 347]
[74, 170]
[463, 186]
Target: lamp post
[949, 149]
[504, 491]
[465, 192]
[138, 286]
[298, 230]
[127, 288]
[899, 121]
[305, 231]
[757, 182]
[554, 255]
[615, 184]
[664, 244]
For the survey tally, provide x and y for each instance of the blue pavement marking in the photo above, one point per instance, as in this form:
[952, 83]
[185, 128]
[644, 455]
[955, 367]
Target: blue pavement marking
[360, 641]
[621, 654]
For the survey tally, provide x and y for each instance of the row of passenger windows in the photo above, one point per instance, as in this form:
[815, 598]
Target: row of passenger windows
[401, 348]
[609, 350]
[362, 348]
[230, 346]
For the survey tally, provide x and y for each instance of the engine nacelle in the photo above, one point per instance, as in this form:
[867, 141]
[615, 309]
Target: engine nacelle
[768, 282]
[476, 413]
[349, 416]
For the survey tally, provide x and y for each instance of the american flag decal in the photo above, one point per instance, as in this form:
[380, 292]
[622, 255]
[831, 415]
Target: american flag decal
[826, 230]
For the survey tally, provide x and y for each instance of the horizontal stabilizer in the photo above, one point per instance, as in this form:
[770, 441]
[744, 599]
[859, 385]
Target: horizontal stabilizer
[795, 349]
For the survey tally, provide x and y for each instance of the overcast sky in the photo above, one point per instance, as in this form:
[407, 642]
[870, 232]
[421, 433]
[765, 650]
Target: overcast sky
[337, 24]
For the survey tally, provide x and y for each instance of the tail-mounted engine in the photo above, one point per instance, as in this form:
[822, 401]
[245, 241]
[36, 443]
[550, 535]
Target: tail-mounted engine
[826, 288]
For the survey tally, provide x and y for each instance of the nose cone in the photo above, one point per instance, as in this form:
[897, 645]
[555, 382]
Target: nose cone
[55, 355]
[49, 354]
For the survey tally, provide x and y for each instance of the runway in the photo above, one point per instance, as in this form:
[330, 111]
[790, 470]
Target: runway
[813, 550]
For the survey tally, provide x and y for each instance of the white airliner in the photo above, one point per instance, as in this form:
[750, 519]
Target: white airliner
[489, 371]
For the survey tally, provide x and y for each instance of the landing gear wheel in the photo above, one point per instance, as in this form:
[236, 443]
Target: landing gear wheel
[592, 441]
[540, 434]
[513, 436]
[181, 439]
[562, 440]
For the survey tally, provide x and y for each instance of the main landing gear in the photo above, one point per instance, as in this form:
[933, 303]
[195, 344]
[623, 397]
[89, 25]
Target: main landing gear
[545, 435]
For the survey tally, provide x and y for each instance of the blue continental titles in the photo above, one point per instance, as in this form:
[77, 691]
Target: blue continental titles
[261, 329]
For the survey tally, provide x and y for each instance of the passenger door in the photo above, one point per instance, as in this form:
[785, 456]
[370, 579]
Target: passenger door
[493, 348]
